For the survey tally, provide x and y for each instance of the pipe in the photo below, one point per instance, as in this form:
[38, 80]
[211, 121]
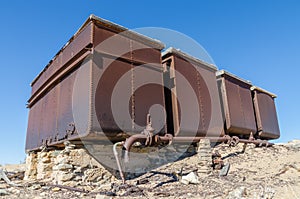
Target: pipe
[232, 141]
[117, 159]
[169, 138]
[132, 139]
[257, 142]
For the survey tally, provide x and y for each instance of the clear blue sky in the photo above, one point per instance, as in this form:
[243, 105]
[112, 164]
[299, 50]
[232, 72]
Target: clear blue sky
[257, 40]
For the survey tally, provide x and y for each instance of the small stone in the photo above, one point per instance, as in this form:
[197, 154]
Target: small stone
[102, 197]
[38, 197]
[13, 190]
[63, 177]
[4, 186]
[3, 192]
[56, 189]
[78, 170]
[295, 144]
[191, 178]
[237, 193]
[61, 159]
[46, 160]
[63, 167]
[54, 153]
[36, 187]
[184, 182]
[70, 183]
[77, 178]
[43, 194]
[224, 171]
[43, 154]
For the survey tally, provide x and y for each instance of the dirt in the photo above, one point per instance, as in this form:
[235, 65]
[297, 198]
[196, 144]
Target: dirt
[257, 172]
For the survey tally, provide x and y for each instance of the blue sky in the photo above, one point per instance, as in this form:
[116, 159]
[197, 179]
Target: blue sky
[257, 40]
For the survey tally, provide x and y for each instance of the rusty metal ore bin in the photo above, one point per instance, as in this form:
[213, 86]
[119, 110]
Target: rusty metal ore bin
[72, 97]
[237, 105]
[192, 99]
[265, 112]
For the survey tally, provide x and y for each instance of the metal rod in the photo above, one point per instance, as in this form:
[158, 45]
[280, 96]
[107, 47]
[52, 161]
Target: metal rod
[117, 159]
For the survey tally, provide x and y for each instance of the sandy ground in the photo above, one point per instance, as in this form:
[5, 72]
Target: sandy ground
[272, 172]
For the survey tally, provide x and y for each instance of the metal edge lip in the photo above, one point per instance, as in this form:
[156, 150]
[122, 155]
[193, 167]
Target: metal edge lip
[223, 72]
[121, 29]
[126, 32]
[172, 50]
[264, 91]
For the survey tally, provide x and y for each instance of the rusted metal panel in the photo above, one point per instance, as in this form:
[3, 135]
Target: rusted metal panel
[92, 86]
[237, 104]
[104, 92]
[198, 78]
[48, 117]
[65, 113]
[148, 96]
[111, 43]
[33, 129]
[76, 44]
[265, 111]
[145, 54]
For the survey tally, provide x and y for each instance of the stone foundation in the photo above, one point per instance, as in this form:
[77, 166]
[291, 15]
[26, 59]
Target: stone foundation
[63, 166]
[204, 153]
[76, 165]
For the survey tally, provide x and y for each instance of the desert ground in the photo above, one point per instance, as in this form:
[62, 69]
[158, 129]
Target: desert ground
[254, 172]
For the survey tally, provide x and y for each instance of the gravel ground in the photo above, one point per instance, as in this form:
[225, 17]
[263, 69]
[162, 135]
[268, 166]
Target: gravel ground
[272, 172]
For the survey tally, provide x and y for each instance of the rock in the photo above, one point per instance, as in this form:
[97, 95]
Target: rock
[191, 178]
[35, 187]
[43, 194]
[98, 196]
[294, 144]
[80, 158]
[38, 197]
[78, 169]
[55, 153]
[184, 182]
[70, 183]
[4, 186]
[31, 167]
[237, 193]
[13, 190]
[267, 193]
[46, 160]
[224, 171]
[55, 189]
[204, 153]
[3, 192]
[64, 176]
[61, 159]
[97, 174]
[63, 167]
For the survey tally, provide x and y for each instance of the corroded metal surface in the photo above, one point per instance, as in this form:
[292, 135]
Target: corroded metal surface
[266, 116]
[105, 80]
[237, 104]
[72, 97]
[182, 74]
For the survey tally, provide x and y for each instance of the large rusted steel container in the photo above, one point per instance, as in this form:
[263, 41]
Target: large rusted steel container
[99, 86]
[192, 99]
[237, 105]
[265, 112]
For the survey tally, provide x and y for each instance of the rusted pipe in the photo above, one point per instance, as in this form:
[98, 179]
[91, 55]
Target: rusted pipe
[232, 141]
[257, 142]
[132, 139]
[169, 138]
[117, 160]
